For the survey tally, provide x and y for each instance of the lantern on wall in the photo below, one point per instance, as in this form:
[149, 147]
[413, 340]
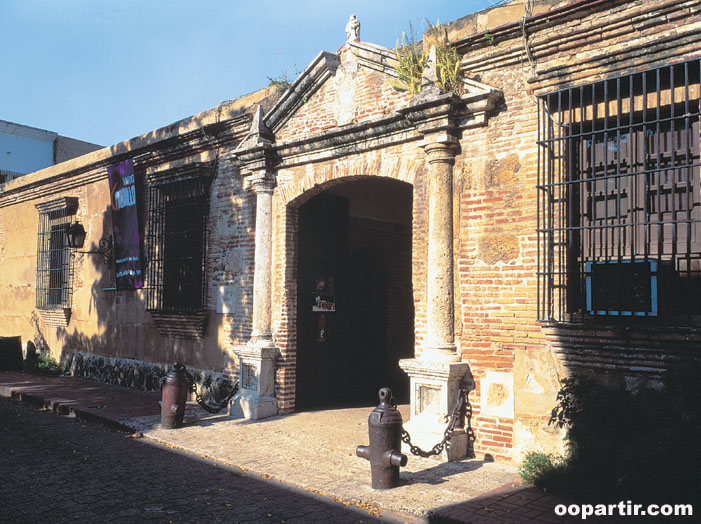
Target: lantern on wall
[75, 235]
[75, 238]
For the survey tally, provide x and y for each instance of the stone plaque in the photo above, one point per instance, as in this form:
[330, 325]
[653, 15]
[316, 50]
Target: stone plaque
[249, 380]
[227, 297]
[429, 399]
[497, 394]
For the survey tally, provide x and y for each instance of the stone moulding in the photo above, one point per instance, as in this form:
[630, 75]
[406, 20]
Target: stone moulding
[70, 204]
[546, 43]
[428, 370]
[188, 170]
[468, 110]
[347, 140]
[321, 68]
[374, 57]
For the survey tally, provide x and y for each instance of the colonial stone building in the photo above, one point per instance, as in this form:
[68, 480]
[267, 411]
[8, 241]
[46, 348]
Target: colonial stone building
[344, 235]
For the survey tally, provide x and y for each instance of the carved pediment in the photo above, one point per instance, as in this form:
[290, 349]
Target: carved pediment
[336, 90]
[350, 98]
[307, 83]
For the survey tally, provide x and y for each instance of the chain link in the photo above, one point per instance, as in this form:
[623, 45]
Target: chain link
[462, 411]
[200, 400]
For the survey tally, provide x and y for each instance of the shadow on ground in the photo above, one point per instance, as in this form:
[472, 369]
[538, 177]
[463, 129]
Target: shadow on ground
[87, 473]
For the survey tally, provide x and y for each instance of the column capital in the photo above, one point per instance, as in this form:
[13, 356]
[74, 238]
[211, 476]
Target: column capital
[263, 181]
[434, 113]
[256, 152]
[440, 148]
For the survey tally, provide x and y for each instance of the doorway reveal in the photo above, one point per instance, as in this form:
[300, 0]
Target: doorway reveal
[355, 303]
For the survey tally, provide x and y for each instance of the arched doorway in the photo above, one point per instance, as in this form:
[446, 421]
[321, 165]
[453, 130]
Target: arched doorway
[355, 315]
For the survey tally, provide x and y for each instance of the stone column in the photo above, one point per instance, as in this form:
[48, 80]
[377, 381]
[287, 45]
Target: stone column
[437, 375]
[257, 359]
[262, 333]
[440, 331]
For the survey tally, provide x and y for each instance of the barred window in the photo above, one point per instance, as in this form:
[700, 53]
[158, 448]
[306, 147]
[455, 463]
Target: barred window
[54, 288]
[619, 197]
[176, 243]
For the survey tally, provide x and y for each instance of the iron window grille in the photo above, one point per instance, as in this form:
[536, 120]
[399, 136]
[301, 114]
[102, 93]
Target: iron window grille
[619, 197]
[54, 288]
[177, 245]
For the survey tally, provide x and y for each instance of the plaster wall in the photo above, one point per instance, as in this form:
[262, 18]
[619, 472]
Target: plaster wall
[110, 332]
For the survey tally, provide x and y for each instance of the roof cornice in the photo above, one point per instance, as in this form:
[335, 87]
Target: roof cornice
[311, 79]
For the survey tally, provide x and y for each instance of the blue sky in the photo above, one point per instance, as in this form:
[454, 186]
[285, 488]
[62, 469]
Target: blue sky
[108, 70]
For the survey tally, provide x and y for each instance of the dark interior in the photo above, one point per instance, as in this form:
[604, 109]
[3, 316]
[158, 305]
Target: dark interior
[354, 253]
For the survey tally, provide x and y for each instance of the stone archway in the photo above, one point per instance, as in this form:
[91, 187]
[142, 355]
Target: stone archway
[393, 340]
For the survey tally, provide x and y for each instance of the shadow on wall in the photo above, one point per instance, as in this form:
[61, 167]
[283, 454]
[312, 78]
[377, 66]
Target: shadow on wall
[112, 337]
[624, 445]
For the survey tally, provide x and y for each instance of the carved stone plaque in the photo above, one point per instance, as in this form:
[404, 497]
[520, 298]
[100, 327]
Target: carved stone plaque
[429, 398]
[249, 380]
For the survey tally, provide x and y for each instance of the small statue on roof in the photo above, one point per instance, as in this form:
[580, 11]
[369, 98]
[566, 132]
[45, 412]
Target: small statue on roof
[353, 29]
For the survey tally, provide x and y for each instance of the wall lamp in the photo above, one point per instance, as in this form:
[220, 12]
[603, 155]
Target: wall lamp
[75, 236]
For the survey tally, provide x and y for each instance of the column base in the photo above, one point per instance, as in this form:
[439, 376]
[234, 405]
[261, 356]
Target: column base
[256, 399]
[435, 387]
[252, 406]
[444, 353]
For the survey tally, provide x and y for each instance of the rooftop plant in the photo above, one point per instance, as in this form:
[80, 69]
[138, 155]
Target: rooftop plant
[412, 57]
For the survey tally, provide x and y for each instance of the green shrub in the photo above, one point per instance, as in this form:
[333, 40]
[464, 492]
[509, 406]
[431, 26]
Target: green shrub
[535, 466]
[410, 65]
[628, 446]
[44, 365]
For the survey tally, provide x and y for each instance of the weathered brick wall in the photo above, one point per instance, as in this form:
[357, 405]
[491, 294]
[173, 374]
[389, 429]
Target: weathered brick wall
[354, 95]
[496, 175]
[284, 314]
[497, 254]
[231, 255]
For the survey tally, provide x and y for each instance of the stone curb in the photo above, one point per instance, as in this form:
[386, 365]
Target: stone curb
[65, 410]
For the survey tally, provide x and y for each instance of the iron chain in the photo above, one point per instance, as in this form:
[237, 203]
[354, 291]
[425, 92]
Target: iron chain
[200, 400]
[462, 410]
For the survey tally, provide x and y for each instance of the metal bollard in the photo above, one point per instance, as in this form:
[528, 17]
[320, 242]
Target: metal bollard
[174, 396]
[385, 431]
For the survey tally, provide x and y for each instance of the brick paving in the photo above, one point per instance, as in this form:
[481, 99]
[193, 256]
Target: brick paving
[312, 452]
[60, 470]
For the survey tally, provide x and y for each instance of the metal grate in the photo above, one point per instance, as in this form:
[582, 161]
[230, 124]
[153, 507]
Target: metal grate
[54, 261]
[177, 240]
[619, 199]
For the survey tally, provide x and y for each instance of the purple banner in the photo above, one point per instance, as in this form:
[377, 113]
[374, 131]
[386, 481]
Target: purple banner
[125, 225]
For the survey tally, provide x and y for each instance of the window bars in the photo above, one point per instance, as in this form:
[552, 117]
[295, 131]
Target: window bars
[176, 244]
[54, 261]
[619, 197]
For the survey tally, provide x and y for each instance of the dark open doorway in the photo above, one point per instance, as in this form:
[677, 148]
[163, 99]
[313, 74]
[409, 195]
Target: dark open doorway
[355, 316]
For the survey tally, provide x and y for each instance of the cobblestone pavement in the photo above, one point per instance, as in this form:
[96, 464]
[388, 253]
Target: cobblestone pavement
[304, 460]
[315, 450]
[57, 469]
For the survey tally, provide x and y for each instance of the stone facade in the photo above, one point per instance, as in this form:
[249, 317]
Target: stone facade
[472, 164]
